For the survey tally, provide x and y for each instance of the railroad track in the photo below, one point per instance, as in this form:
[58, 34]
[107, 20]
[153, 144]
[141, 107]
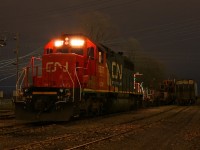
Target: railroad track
[6, 114]
[16, 128]
[22, 127]
[101, 134]
[128, 129]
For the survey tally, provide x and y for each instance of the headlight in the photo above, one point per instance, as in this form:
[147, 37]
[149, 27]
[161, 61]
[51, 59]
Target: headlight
[61, 90]
[77, 42]
[26, 90]
[58, 43]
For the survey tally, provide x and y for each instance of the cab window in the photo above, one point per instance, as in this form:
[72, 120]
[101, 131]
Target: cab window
[101, 58]
[64, 50]
[90, 52]
[78, 51]
[48, 51]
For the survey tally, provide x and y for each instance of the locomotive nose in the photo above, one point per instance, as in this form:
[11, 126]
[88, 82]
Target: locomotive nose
[42, 104]
[39, 105]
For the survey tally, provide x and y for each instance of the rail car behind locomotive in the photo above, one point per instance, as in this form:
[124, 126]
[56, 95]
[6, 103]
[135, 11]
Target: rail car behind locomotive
[76, 76]
[186, 92]
[167, 92]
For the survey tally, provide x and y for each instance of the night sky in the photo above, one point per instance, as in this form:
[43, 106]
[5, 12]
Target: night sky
[168, 30]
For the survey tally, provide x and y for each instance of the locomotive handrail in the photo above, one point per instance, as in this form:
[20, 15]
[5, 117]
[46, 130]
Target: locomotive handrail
[18, 88]
[23, 79]
[72, 83]
[32, 63]
[78, 81]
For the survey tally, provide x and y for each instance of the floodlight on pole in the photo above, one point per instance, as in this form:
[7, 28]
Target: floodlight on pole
[2, 42]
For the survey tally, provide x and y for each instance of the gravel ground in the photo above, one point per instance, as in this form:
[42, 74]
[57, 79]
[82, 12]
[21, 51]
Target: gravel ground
[166, 127]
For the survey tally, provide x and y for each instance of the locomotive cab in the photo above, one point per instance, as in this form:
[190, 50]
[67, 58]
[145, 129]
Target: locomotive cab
[78, 56]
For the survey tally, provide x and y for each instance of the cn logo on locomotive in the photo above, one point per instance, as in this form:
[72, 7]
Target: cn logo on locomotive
[116, 70]
[52, 66]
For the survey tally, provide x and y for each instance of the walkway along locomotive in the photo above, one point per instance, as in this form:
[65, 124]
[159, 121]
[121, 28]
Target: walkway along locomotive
[76, 76]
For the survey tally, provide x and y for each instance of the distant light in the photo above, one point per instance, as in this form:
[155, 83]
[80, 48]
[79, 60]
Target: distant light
[77, 42]
[58, 43]
[2, 43]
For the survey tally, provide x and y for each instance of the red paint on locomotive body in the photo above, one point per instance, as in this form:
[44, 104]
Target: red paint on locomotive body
[73, 66]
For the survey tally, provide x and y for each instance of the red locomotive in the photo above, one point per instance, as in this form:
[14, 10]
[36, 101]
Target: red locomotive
[77, 76]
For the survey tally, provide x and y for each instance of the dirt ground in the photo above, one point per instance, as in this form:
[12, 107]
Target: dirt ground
[178, 132]
[158, 128]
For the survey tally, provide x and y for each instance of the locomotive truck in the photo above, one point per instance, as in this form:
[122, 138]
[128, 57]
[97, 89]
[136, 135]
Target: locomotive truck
[74, 77]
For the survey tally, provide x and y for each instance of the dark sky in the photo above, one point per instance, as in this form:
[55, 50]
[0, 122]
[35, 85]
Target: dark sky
[168, 30]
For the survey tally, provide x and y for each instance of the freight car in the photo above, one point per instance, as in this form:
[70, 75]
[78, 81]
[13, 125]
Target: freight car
[167, 92]
[186, 92]
[76, 77]
[164, 94]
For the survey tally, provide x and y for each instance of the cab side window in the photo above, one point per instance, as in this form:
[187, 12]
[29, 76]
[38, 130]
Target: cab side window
[90, 52]
[48, 51]
[101, 57]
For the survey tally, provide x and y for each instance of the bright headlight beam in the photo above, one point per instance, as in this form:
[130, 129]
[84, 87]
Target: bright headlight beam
[77, 42]
[58, 43]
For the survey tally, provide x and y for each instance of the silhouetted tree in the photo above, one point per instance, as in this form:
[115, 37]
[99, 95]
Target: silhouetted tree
[153, 71]
[98, 27]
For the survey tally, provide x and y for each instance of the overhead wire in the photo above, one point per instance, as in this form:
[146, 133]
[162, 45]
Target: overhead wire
[86, 5]
[7, 66]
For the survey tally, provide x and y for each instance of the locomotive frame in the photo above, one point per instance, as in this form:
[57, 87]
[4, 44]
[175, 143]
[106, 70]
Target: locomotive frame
[76, 77]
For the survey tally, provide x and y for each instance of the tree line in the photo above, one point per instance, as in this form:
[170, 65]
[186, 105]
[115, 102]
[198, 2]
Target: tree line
[101, 29]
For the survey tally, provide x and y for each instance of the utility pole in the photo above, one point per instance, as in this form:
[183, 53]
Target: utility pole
[17, 56]
[3, 42]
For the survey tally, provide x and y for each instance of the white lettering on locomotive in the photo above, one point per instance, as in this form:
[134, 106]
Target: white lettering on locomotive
[52, 66]
[116, 70]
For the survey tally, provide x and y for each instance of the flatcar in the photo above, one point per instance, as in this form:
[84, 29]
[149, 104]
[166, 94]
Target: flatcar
[75, 77]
